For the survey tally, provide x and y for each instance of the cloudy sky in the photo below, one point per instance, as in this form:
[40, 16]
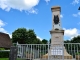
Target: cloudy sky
[37, 15]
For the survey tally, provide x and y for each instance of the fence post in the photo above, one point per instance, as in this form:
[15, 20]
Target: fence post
[13, 53]
[48, 50]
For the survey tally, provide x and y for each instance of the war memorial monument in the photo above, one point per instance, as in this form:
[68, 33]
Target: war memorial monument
[57, 50]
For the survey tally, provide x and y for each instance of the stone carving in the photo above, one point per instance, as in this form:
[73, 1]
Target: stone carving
[56, 19]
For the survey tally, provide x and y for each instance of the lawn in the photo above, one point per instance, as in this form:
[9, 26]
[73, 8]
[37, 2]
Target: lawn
[4, 58]
[7, 59]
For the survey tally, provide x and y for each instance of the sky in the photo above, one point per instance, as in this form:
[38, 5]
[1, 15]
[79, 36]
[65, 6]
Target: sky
[37, 15]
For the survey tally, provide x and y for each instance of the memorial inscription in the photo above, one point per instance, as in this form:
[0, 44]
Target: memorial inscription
[57, 51]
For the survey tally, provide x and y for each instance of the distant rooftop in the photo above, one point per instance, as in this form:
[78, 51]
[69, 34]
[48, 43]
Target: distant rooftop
[5, 41]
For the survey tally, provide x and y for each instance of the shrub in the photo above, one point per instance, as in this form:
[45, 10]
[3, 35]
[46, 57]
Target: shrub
[4, 54]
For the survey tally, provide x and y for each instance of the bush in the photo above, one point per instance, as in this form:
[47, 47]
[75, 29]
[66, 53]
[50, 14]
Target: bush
[4, 54]
[78, 53]
[2, 49]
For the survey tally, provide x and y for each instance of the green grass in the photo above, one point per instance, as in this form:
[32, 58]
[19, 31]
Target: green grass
[4, 58]
[7, 59]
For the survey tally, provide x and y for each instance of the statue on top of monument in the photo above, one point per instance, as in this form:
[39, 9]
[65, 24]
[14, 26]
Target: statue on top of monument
[56, 19]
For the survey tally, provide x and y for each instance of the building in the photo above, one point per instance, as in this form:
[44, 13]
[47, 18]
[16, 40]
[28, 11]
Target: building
[5, 41]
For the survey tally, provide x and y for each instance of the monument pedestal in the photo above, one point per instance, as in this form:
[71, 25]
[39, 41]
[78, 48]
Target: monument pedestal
[57, 54]
[57, 49]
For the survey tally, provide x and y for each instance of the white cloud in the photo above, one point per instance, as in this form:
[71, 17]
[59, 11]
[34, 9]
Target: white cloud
[39, 38]
[2, 29]
[33, 11]
[47, 1]
[1, 23]
[77, 14]
[75, 2]
[61, 16]
[26, 5]
[71, 32]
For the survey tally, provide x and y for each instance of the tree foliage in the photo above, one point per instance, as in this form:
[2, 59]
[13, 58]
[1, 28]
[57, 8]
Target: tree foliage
[44, 41]
[19, 35]
[22, 36]
[67, 41]
[73, 40]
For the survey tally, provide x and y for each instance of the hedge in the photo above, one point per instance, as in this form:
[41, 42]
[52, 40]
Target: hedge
[4, 54]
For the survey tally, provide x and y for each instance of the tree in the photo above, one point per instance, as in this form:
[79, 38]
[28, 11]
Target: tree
[31, 37]
[38, 41]
[19, 35]
[44, 41]
[75, 39]
[22, 36]
[67, 41]
[50, 41]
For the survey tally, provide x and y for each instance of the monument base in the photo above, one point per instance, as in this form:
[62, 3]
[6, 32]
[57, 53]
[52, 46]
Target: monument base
[65, 56]
[58, 57]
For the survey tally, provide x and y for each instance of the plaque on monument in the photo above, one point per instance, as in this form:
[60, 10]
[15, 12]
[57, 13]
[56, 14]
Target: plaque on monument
[57, 51]
[13, 53]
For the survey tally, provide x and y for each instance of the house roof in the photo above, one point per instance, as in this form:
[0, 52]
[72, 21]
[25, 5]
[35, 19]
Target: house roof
[5, 41]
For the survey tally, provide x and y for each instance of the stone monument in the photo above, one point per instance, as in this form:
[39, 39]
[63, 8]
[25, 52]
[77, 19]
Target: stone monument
[57, 49]
[57, 33]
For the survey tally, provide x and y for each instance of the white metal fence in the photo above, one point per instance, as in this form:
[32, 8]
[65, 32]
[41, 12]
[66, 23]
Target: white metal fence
[32, 51]
[68, 51]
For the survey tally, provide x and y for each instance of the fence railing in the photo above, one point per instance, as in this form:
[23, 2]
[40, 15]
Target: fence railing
[49, 51]
[66, 51]
[32, 50]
